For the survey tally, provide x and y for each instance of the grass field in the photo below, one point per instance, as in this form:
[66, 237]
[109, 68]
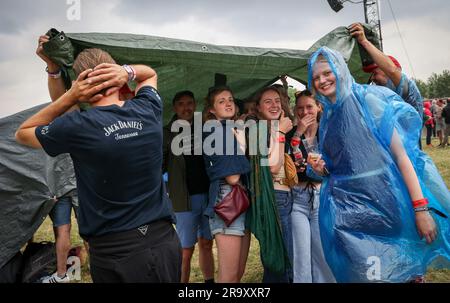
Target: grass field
[253, 271]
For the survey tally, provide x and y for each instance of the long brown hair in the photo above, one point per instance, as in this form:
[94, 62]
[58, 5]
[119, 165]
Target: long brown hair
[307, 93]
[209, 102]
[284, 105]
[285, 100]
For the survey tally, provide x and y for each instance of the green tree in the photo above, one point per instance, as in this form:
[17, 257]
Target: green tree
[439, 85]
[423, 87]
[291, 94]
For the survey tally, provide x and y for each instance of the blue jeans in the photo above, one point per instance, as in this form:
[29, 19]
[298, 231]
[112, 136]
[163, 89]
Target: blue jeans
[309, 261]
[284, 206]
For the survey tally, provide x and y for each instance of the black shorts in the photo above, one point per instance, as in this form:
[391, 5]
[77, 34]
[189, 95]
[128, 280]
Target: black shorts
[148, 254]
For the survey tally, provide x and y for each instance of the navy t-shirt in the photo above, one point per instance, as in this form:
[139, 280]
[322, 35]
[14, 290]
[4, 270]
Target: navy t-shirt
[117, 156]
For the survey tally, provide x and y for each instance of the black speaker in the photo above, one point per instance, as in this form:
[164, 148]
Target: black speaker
[336, 5]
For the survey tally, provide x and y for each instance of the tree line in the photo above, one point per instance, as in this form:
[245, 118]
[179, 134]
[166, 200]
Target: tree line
[437, 85]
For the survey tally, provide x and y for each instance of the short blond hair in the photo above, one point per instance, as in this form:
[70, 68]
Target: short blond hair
[90, 58]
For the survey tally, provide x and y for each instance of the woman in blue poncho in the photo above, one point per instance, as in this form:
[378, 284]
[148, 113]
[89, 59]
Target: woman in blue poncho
[381, 194]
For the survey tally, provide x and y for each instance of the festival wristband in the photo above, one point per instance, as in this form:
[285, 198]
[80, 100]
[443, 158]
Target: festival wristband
[420, 203]
[281, 139]
[420, 209]
[56, 75]
[130, 71]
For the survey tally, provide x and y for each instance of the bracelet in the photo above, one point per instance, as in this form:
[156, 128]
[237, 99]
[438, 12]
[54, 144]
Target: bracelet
[420, 203]
[134, 73]
[422, 208]
[130, 71]
[56, 75]
[283, 133]
[281, 139]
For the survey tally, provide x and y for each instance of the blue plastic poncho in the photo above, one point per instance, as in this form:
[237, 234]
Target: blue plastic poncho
[367, 223]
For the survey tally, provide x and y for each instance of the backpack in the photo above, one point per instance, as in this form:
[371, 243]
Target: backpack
[39, 260]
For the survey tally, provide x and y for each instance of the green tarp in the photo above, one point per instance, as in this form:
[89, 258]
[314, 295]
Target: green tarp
[182, 64]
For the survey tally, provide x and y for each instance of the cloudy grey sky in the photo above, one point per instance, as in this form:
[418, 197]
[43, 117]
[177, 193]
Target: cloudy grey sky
[296, 24]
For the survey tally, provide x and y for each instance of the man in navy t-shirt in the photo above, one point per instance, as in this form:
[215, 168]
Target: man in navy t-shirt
[116, 148]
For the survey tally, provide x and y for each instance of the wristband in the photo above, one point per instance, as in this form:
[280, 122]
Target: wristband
[130, 71]
[56, 75]
[134, 73]
[283, 133]
[422, 208]
[420, 203]
[281, 139]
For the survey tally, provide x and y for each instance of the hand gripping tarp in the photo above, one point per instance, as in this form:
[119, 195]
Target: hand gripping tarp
[367, 223]
[29, 180]
[62, 53]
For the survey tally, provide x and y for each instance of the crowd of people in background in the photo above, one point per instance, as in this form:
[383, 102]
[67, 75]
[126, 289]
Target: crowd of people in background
[363, 196]
[436, 120]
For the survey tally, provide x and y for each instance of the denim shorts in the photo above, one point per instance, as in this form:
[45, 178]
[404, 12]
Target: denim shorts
[61, 213]
[217, 226]
[193, 224]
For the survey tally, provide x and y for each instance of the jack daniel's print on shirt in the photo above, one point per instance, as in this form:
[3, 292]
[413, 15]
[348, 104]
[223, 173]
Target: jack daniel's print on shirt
[126, 125]
[117, 156]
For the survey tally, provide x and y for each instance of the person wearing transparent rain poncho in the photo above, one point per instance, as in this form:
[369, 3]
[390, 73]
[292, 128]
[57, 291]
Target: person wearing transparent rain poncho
[375, 223]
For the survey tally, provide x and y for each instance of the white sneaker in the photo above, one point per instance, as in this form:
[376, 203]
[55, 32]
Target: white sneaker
[55, 279]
